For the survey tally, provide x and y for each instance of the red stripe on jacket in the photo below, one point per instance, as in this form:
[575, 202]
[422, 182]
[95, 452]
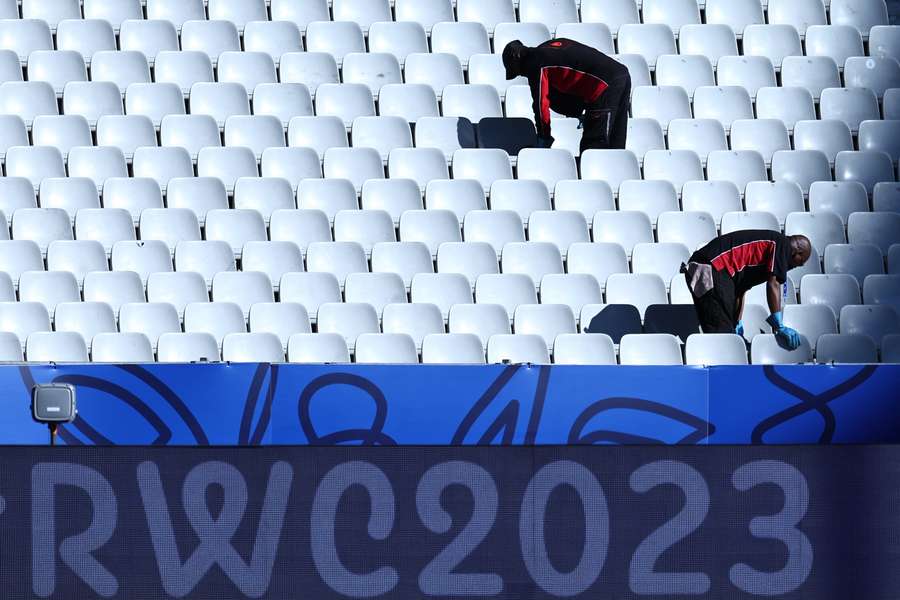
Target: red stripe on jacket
[568, 81]
[751, 254]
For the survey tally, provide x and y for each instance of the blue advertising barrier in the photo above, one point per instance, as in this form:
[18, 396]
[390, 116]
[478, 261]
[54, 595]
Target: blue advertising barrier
[263, 404]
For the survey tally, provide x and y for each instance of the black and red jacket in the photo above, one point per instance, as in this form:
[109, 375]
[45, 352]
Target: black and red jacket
[567, 76]
[749, 257]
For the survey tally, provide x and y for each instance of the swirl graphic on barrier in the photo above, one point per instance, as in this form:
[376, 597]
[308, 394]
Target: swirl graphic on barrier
[368, 437]
[701, 428]
[245, 437]
[808, 402]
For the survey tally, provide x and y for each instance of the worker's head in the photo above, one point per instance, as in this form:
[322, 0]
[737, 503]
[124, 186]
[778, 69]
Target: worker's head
[801, 248]
[513, 54]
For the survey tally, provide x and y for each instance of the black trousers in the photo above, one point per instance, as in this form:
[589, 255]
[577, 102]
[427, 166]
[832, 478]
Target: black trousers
[606, 121]
[717, 308]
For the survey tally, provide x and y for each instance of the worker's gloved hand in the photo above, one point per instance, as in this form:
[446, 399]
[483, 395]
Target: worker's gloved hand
[789, 336]
[544, 142]
[739, 329]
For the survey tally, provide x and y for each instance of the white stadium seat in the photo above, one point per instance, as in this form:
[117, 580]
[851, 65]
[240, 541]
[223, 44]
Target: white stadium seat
[834, 291]
[436, 69]
[861, 14]
[483, 320]
[55, 346]
[87, 36]
[810, 321]
[802, 167]
[130, 347]
[766, 350]
[737, 14]
[452, 348]
[176, 11]
[460, 39]
[639, 289]
[318, 348]
[282, 100]
[78, 257]
[386, 348]
[349, 319]
[846, 348]
[715, 349]
[283, 319]
[183, 68]
[468, 258]
[143, 257]
[766, 136]
[445, 290]
[178, 289]
[256, 347]
[216, 318]
[880, 229]
[149, 37]
[517, 349]
[650, 349]
[126, 132]
[399, 39]
[662, 103]
[300, 14]
[650, 40]
[204, 257]
[829, 136]
[187, 347]
[243, 288]
[85, 318]
[190, 132]
[309, 68]
[875, 321]
[273, 37]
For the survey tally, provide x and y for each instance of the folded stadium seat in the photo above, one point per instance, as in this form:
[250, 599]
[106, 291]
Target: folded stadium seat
[386, 348]
[530, 34]
[444, 290]
[143, 257]
[715, 349]
[637, 69]
[881, 229]
[758, 295]
[803, 167]
[204, 257]
[337, 38]
[662, 103]
[544, 320]
[679, 320]
[456, 195]
[283, 319]
[535, 259]
[51, 11]
[693, 229]
[106, 225]
[356, 164]
[317, 132]
[749, 72]
[179, 289]
[338, 258]
[650, 349]
[24, 36]
[176, 11]
[49, 288]
[184, 69]
[55, 346]
[90, 99]
[371, 69]
[496, 227]
[7, 289]
[243, 288]
[273, 38]
[506, 289]
[688, 71]
[257, 132]
[412, 102]
[349, 319]
[613, 14]
[575, 290]
[13, 131]
[310, 290]
[877, 74]
[611, 166]
[272, 258]
[149, 37]
[881, 136]
[97, 163]
[377, 289]
[235, 226]
[890, 349]
[584, 196]
[596, 35]
[829, 136]
[85, 36]
[114, 288]
[838, 42]
[344, 100]
[800, 14]
[767, 350]
[891, 103]
[822, 228]
[421, 165]
[867, 167]
[584, 349]
[713, 197]
[740, 220]
[41, 225]
[550, 165]
[327, 195]
[663, 259]
[216, 318]
[300, 14]
[644, 134]
[228, 164]
[424, 12]
[886, 197]
[483, 320]
[519, 348]
[381, 133]
[406, 259]
[674, 166]
[775, 42]
[78, 257]
[473, 101]
[282, 100]
[311, 69]
[162, 164]
[834, 291]
[523, 196]
[399, 39]
[518, 103]
[394, 196]
[17, 192]
[415, 320]
[814, 73]
[264, 195]
[883, 41]
[650, 40]
[460, 39]
[367, 227]
[623, 227]
[127, 133]
[882, 289]
[470, 259]
[723, 104]
[560, 227]
[187, 347]
[788, 104]
[754, 319]
[34, 163]
[483, 164]
[846, 348]
[700, 135]
[24, 318]
[840, 197]
[114, 347]
[318, 348]
[861, 14]
[123, 68]
[810, 321]
[85, 318]
[511, 134]
[56, 67]
[712, 41]
[875, 321]
[219, 100]
[436, 70]
[452, 348]
[197, 194]
[191, 132]
[70, 194]
[639, 289]
[18, 256]
[295, 165]
[300, 227]
[256, 347]
[239, 12]
[10, 347]
[737, 14]
[447, 134]
[171, 225]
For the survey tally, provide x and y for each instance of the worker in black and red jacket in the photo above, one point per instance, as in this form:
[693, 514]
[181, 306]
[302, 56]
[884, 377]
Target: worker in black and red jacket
[576, 81]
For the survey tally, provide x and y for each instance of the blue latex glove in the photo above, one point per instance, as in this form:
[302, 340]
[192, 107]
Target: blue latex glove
[789, 336]
[739, 329]
[544, 142]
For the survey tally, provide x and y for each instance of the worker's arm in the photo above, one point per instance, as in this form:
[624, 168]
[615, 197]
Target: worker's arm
[540, 96]
[739, 309]
[773, 295]
[789, 337]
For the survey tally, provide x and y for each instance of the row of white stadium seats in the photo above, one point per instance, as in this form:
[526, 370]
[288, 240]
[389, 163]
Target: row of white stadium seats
[438, 347]
[860, 14]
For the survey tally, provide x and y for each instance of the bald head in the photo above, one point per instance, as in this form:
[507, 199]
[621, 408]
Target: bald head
[801, 249]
